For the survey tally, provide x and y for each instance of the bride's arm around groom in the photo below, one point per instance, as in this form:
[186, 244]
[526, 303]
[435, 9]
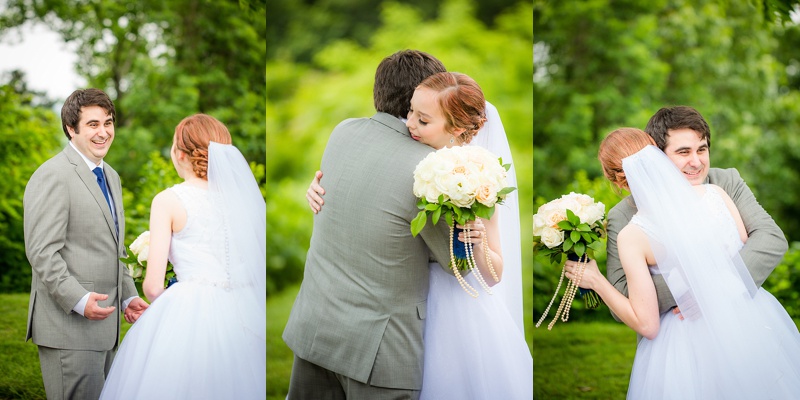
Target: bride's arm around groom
[766, 243]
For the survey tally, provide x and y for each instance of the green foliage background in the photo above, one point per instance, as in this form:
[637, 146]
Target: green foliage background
[159, 62]
[603, 64]
[306, 100]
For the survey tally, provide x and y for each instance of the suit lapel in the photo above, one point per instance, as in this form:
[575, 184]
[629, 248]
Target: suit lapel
[90, 181]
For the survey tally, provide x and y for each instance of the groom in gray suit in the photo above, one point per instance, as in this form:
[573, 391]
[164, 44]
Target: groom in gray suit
[74, 236]
[356, 325]
[683, 134]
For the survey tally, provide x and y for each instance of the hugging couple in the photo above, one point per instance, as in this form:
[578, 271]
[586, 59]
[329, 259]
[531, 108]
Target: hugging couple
[379, 315]
[687, 254]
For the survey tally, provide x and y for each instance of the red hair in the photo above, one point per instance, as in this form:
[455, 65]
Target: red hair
[461, 101]
[192, 136]
[621, 143]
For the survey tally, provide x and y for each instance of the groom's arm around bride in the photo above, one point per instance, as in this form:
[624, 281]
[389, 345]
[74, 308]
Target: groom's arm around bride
[766, 243]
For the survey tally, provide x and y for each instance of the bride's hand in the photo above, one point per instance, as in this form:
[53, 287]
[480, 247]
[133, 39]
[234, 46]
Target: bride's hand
[314, 193]
[591, 274]
[477, 231]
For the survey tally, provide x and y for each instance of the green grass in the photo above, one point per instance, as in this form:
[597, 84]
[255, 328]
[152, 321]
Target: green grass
[583, 360]
[280, 357]
[579, 360]
[20, 375]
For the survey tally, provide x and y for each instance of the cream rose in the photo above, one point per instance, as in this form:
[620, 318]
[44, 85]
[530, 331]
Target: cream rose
[552, 237]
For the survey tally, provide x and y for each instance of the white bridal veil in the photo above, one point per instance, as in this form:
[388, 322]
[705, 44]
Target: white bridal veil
[493, 138]
[235, 191]
[739, 342]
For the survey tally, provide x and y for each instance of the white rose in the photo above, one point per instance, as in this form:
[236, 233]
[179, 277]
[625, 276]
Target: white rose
[581, 198]
[142, 256]
[458, 188]
[592, 213]
[141, 245]
[486, 194]
[552, 237]
[553, 215]
[135, 270]
[568, 202]
[539, 223]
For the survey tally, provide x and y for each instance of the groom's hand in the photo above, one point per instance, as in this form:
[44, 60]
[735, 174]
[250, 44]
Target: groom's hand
[93, 310]
[135, 309]
[314, 193]
[677, 311]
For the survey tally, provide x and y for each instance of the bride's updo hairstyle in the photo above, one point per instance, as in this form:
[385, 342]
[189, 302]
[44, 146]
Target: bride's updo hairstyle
[192, 136]
[619, 144]
[461, 101]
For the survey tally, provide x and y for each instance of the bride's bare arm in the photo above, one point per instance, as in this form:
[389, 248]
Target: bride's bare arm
[640, 309]
[491, 229]
[734, 213]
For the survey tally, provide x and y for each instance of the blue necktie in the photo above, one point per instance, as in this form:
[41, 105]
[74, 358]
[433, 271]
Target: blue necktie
[101, 180]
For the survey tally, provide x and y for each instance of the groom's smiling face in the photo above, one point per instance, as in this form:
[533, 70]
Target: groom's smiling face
[689, 152]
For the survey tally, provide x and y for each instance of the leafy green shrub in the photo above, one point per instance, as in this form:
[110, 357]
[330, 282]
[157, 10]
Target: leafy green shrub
[784, 281]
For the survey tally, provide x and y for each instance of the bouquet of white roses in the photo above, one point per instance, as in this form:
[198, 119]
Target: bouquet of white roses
[460, 184]
[137, 260]
[569, 226]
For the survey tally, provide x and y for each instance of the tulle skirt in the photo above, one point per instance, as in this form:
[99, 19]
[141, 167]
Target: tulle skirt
[473, 348]
[193, 342]
[685, 361]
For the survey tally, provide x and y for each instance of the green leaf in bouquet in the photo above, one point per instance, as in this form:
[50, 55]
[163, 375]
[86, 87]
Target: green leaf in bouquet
[575, 236]
[579, 248]
[482, 211]
[506, 190]
[565, 225]
[572, 218]
[567, 244]
[596, 245]
[555, 258]
[448, 217]
[432, 206]
[583, 227]
[421, 203]
[586, 237]
[418, 223]
[437, 213]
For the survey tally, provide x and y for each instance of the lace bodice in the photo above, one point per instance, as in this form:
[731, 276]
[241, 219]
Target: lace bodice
[199, 251]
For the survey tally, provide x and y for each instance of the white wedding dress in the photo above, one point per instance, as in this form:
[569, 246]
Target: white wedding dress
[736, 341]
[475, 347]
[204, 337]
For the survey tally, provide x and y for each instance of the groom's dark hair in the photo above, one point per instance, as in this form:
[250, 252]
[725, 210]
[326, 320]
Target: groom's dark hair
[71, 110]
[678, 117]
[398, 75]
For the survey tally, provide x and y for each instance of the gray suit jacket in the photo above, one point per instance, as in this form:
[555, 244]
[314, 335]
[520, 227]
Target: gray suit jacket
[361, 307]
[72, 245]
[764, 249]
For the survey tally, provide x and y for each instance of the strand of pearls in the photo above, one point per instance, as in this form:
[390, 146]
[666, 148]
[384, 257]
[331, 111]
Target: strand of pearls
[464, 285]
[489, 259]
[569, 294]
[558, 287]
[575, 286]
[473, 266]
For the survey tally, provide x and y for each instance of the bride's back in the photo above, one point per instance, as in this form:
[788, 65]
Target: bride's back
[199, 251]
